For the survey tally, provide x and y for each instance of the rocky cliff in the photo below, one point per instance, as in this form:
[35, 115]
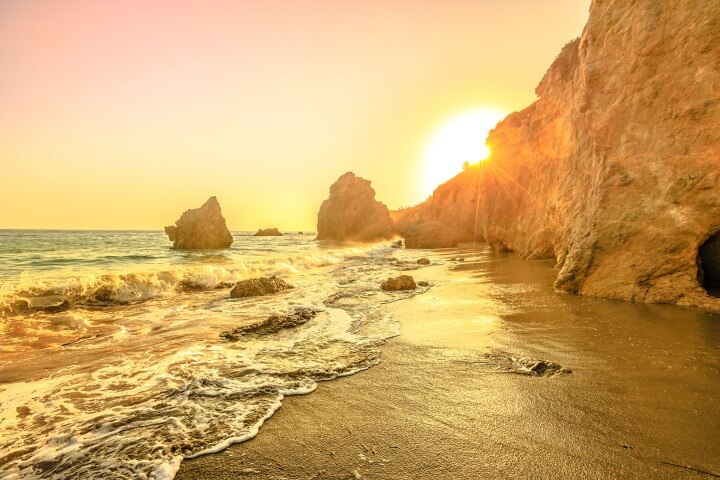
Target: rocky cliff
[615, 170]
[201, 228]
[351, 213]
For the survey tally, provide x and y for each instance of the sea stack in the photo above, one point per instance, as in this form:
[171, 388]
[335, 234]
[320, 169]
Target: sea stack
[201, 228]
[351, 213]
[614, 171]
[268, 232]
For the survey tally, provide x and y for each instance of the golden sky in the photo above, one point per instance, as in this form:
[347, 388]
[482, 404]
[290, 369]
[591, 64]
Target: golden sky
[122, 114]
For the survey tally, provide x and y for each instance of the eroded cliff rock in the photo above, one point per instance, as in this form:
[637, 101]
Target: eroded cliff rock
[615, 170]
[432, 234]
[351, 213]
[201, 228]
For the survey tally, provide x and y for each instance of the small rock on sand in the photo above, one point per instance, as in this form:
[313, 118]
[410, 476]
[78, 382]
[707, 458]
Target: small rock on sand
[403, 282]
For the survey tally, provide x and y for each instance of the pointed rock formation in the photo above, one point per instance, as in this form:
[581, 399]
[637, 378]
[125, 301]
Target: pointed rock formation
[201, 228]
[352, 213]
[615, 170]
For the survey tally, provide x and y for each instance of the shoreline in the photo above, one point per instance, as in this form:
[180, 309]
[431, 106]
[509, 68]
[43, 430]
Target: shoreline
[442, 404]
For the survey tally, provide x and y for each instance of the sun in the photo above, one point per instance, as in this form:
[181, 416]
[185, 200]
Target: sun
[458, 140]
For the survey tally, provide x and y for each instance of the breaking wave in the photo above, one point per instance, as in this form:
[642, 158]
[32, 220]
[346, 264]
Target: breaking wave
[33, 294]
[127, 388]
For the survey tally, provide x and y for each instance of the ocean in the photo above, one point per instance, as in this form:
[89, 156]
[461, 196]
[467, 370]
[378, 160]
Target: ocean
[113, 362]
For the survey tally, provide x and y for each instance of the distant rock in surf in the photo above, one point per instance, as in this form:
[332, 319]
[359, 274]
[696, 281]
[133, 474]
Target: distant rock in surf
[201, 228]
[268, 232]
[403, 282]
[351, 213]
[423, 261]
[256, 287]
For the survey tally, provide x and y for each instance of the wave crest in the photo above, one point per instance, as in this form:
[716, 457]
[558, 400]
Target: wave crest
[32, 294]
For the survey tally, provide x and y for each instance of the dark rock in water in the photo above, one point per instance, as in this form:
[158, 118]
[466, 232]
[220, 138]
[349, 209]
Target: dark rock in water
[403, 282]
[272, 324]
[423, 284]
[268, 232]
[201, 228]
[541, 368]
[255, 287]
[423, 261]
[397, 244]
[351, 213]
[522, 366]
[301, 233]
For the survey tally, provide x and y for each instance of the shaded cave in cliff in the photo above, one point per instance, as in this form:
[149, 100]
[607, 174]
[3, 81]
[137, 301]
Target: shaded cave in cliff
[709, 265]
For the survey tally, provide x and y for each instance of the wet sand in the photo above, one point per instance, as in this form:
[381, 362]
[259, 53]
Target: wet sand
[642, 401]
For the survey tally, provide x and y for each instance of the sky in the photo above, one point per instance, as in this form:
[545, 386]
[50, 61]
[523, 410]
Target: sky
[122, 114]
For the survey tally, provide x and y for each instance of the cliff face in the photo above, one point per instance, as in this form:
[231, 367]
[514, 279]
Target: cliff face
[201, 228]
[351, 213]
[615, 170]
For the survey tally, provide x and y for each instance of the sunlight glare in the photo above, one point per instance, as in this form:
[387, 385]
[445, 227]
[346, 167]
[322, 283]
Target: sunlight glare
[459, 139]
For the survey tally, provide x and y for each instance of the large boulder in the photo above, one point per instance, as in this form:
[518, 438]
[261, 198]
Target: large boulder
[431, 234]
[201, 228]
[256, 287]
[614, 171]
[351, 213]
[268, 232]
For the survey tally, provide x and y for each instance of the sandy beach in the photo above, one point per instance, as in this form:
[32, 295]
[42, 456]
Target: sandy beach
[448, 400]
